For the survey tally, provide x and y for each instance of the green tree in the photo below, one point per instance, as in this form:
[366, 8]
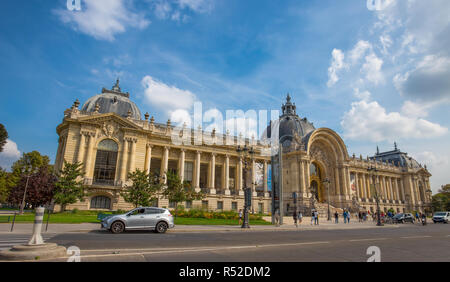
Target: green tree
[40, 188]
[3, 137]
[68, 189]
[4, 189]
[143, 191]
[28, 164]
[441, 201]
[177, 191]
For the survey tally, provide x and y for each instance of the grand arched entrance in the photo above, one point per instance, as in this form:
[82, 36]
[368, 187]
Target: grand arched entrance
[316, 185]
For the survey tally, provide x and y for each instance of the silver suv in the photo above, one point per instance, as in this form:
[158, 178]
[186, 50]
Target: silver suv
[140, 218]
[441, 217]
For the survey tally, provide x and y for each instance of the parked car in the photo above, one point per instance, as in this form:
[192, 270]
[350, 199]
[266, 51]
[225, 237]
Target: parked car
[441, 217]
[403, 217]
[140, 218]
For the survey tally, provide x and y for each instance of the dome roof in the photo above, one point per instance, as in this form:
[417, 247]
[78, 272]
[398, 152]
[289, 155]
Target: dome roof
[289, 124]
[113, 101]
[397, 157]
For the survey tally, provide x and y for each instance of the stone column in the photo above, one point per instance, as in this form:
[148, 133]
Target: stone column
[165, 164]
[357, 186]
[148, 158]
[240, 177]
[265, 179]
[227, 175]
[133, 155]
[212, 180]
[89, 160]
[302, 178]
[336, 180]
[123, 166]
[253, 185]
[181, 164]
[63, 152]
[80, 158]
[364, 185]
[197, 171]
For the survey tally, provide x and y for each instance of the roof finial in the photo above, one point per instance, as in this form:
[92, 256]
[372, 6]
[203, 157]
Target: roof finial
[288, 98]
[378, 150]
[116, 86]
[395, 146]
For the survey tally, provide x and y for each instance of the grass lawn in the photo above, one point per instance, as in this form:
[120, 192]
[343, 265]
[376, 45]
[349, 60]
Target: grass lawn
[92, 218]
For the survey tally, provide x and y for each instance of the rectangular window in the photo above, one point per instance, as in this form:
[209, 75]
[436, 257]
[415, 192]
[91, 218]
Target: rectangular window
[189, 204]
[205, 205]
[234, 206]
[188, 171]
[171, 205]
[155, 166]
[260, 208]
[220, 205]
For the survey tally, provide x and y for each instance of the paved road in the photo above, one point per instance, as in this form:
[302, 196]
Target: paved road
[404, 243]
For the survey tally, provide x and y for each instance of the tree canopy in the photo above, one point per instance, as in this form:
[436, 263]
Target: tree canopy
[178, 191]
[69, 189]
[144, 189]
[41, 185]
[3, 137]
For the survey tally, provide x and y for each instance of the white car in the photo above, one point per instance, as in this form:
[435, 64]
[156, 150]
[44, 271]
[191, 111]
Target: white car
[441, 217]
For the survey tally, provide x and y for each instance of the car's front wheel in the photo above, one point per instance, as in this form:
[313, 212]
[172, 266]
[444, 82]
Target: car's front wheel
[161, 227]
[117, 227]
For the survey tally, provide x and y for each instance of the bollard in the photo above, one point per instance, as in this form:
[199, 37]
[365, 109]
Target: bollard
[36, 239]
[14, 220]
[48, 218]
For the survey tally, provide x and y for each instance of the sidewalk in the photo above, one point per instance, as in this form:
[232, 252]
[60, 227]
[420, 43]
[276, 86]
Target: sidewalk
[26, 228]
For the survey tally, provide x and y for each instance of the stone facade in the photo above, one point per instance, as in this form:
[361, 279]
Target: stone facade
[110, 145]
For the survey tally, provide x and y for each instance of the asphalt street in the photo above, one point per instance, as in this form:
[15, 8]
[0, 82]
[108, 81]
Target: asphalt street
[397, 243]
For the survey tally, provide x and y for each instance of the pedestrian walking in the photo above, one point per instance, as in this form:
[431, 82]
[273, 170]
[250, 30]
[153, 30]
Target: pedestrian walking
[316, 218]
[312, 217]
[348, 217]
[300, 217]
[295, 216]
[336, 217]
[277, 217]
[345, 217]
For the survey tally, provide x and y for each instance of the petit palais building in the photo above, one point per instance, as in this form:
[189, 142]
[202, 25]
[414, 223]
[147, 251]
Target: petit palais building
[110, 137]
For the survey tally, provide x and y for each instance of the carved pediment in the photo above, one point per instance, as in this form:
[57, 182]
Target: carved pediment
[110, 122]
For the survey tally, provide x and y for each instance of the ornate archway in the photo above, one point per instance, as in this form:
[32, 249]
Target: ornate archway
[316, 181]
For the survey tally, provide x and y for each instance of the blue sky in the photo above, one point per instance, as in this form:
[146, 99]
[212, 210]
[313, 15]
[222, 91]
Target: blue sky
[373, 75]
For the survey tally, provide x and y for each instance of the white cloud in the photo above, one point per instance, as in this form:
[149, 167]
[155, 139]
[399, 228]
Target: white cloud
[370, 121]
[103, 19]
[359, 51]
[167, 97]
[372, 69]
[428, 82]
[337, 63]
[162, 9]
[199, 6]
[180, 117]
[9, 155]
[365, 95]
[415, 110]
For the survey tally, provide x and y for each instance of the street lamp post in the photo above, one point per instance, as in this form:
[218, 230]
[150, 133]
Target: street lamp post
[22, 206]
[373, 172]
[244, 153]
[327, 181]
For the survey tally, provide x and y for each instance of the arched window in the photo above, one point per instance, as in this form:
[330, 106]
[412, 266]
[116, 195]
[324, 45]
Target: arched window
[101, 202]
[314, 169]
[105, 162]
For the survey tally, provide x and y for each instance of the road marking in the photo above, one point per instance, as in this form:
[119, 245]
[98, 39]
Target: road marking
[369, 239]
[414, 237]
[185, 250]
